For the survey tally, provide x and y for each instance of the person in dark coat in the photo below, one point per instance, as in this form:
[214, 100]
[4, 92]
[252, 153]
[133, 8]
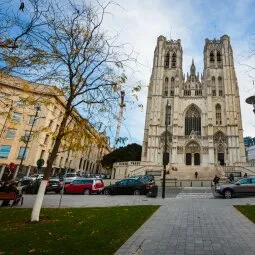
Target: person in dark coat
[231, 177]
[216, 180]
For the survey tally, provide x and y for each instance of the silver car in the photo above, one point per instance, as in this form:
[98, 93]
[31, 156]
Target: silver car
[245, 186]
[69, 177]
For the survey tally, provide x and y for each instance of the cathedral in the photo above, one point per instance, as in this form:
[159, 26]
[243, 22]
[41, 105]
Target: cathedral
[204, 126]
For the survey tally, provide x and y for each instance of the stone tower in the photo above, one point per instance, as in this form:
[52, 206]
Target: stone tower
[204, 116]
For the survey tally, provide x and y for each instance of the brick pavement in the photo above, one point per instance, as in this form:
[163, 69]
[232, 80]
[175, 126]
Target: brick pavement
[195, 226]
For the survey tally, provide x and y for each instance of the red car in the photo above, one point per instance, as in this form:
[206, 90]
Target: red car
[85, 186]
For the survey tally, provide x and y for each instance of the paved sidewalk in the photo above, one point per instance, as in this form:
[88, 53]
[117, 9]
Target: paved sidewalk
[195, 226]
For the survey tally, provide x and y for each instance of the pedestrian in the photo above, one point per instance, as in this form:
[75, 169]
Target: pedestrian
[196, 174]
[231, 177]
[245, 175]
[216, 180]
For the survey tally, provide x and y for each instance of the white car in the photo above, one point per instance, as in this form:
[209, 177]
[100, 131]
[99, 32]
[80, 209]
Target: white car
[69, 177]
[36, 176]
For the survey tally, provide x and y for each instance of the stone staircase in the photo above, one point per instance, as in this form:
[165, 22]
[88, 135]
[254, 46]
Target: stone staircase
[188, 172]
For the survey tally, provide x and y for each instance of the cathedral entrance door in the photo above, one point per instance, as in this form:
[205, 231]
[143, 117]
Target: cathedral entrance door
[197, 159]
[221, 159]
[188, 158]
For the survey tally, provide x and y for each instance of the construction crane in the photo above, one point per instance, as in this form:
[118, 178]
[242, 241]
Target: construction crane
[122, 105]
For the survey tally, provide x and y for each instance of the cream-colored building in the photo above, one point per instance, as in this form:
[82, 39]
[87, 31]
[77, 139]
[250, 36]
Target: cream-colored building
[19, 101]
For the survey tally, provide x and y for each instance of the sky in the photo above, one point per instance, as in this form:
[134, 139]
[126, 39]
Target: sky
[140, 22]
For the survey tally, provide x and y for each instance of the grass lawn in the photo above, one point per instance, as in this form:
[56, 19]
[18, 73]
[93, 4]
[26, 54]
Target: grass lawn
[247, 210]
[70, 231]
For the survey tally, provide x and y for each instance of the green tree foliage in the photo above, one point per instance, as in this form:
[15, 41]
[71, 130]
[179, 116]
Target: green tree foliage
[131, 152]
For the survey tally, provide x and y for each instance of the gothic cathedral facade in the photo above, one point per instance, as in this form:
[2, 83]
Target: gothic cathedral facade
[202, 111]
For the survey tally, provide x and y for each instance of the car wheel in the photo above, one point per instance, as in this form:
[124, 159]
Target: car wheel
[106, 192]
[86, 192]
[228, 193]
[137, 192]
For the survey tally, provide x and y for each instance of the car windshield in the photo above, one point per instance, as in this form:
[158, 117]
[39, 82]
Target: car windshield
[70, 175]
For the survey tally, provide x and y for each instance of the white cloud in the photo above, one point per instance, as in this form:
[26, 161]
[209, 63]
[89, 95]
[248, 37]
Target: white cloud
[141, 22]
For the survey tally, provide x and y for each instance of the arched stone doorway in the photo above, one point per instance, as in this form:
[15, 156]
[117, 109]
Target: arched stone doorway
[192, 152]
[220, 146]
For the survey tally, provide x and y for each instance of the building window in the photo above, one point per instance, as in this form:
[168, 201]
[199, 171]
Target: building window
[32, 120]
[57, 128]
[172, 86]
[214, 92]
[220, 84]
[16, 116]
[168, 116]
[10, 133]
[61, 161]
[193, 121]
[218, 114]
[187, 92]
[20, 103]
[27, 137]
[166, 87]
[167, 56]
[211, 57]
[4, 151]
[51, 123]
[173, 65]
[46, 140]
[218, 57]
[22, 152]
[42, 154]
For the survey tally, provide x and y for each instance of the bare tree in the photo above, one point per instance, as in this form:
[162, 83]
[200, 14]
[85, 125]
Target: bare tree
[68, 47]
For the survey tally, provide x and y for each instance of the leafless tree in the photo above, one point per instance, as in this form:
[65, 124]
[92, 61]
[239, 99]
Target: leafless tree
[67, 46]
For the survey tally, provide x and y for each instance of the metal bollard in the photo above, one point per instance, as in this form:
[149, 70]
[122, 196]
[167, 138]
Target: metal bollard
[191, 184]
[202, 184]
[180, 184]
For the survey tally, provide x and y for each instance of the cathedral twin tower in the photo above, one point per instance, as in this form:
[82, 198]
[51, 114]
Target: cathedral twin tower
[204, 117]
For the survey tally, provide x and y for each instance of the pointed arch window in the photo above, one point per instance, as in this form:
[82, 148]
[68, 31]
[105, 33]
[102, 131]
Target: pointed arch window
[173, 64]
[219, 137]
[193, 121]
[213, 87]
[167, 57]
[211, 57]
[172, 86]
[220, 85]
[218, 114]
[166, 87]
[168, 115]
[218, 56]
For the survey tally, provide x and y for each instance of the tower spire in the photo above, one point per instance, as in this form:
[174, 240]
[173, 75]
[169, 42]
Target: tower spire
[192, 68]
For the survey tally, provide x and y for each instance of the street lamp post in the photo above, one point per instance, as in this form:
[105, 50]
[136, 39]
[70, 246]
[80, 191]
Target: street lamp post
[251, 100]
[165, 154]
[38, 108]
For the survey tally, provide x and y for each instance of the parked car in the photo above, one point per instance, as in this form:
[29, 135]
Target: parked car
[55, 185]
[245, 186]
[52, 185]
[85, 186]
[36, 176]
[32, 188]
[69, 177]
[129, 186]
[146, 178]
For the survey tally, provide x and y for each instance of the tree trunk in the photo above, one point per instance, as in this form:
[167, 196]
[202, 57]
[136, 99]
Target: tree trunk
[38, 201]
[40, 195]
